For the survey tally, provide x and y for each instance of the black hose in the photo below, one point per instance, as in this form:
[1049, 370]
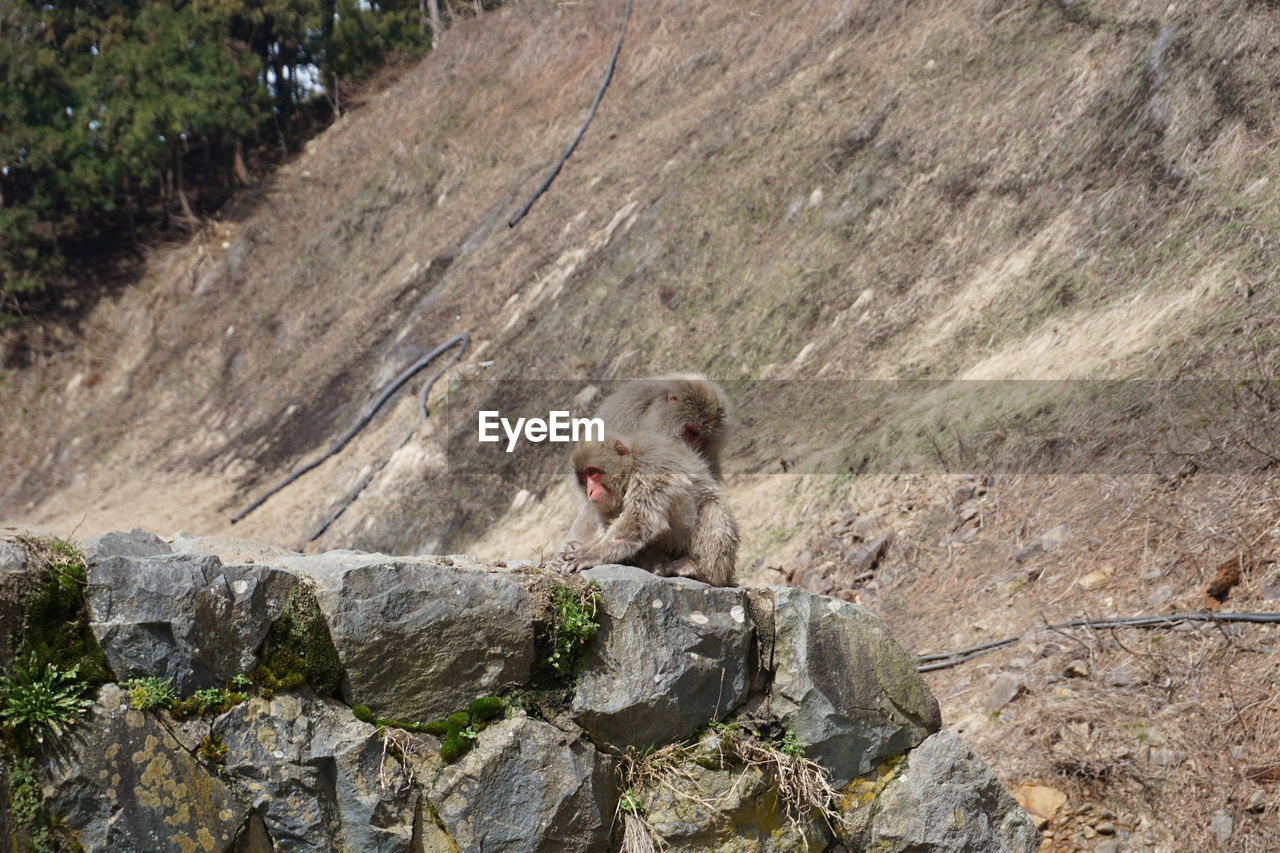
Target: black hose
[462, 338]
[943, 660]
[604, 84]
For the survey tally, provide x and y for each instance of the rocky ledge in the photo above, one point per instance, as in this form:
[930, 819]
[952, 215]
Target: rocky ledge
[361, 702]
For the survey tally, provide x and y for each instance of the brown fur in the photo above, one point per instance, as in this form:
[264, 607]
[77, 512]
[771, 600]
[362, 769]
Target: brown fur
[662, 502]
[664, 407]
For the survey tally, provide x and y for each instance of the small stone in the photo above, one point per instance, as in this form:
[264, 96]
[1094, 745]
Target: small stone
[1081, 728]
[1271, 592]
[1106, 813]
[1166, 758]
[1094, 580]
[1123, 676]
[1076, 669]
[1110, 845]
[1040, 802]
[1160, 596]
[1005, 690]
[1106, 827]
[1090, 832]
[1221, 825]
[1048, 541]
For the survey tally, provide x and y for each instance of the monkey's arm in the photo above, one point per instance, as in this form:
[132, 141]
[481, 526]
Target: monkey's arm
[640, 523]
[586, 527]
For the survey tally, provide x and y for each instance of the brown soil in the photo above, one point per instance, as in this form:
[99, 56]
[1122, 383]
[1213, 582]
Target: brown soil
[771, 191]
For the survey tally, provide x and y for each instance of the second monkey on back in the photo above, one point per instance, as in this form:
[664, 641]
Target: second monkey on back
[685, 407]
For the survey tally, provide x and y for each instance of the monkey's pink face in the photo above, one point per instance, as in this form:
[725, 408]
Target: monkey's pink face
[692, 435]
[590, 479]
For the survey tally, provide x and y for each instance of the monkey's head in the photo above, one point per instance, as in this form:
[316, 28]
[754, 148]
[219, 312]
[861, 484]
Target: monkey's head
[698, 412]
[603, 469]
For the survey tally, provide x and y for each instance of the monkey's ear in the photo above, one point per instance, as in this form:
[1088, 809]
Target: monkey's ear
[620, 448]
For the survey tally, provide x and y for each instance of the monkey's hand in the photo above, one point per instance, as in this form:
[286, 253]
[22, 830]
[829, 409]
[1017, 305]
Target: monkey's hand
[569, 561]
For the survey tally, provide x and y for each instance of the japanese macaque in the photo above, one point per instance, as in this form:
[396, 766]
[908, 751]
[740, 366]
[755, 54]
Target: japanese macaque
[653, 498]
[687, 407]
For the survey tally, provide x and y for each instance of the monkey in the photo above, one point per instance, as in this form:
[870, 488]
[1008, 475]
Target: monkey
[653, 498]
[687, 406]
[684, 406]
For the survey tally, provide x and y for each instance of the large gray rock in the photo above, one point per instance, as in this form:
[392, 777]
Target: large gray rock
[119, 781]
[947, 800]
[420, 640]
[318, 776]
[134, 543]
[527, 787]
[849, 692]
[671, 655]
[183, 616]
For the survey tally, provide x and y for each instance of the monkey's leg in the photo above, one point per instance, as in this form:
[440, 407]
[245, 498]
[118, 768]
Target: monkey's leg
[715, 544]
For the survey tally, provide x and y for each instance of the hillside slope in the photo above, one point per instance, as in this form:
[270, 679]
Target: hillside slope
[832, 191]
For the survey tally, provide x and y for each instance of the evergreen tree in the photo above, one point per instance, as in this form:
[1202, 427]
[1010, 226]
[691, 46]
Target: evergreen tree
[105, 105]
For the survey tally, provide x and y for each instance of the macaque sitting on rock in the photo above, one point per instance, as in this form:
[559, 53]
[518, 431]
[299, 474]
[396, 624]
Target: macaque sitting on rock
[655, 501]
[686, 408]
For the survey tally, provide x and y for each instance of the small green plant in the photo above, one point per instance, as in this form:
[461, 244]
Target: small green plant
[211, 700]
[630, 803]
[151, 691]
[39, 699]
[791, 746]
[25, 807]
[240, 682]
[212, 749]
[573, 623]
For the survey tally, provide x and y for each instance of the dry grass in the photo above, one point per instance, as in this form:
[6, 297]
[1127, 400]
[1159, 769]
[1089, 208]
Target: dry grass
[1162, 727]
[803, 787]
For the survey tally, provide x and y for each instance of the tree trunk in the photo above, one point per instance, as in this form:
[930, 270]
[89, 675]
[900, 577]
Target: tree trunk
[433, 9]
[179, 190]
[238, 167]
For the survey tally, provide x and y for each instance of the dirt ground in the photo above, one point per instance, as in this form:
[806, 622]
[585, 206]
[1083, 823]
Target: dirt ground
[794, 198]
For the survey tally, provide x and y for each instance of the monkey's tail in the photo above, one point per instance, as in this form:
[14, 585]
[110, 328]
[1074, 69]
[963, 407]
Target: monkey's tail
[461, 340]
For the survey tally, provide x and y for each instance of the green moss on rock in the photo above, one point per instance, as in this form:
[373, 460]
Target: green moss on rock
[56, 615]
[487, 708]
[299, 649]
